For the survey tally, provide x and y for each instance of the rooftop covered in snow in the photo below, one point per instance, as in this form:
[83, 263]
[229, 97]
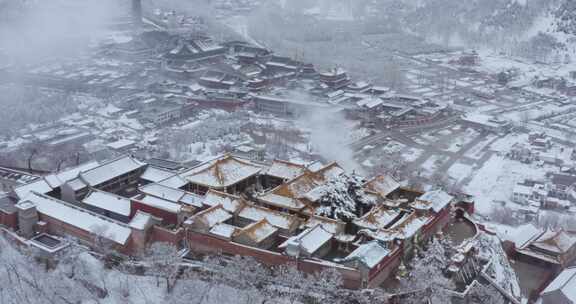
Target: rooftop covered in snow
[435, 200]
[222, 172]
[369, 254]
[80, 218]
[110, 170]
[109, 202]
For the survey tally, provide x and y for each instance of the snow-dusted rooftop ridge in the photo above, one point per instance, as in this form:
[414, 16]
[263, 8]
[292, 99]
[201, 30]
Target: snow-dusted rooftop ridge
[111, 170]
[155, 174]
[289, 194]
[212, 216]
[311, 239]
[558, 241]
[142, 220]
[108, 201]
[378, 218]
[369, 254]
[223, 230]
[565, 283]
[171, 194]
[403, 229]
[230, 202]
[278, 219]
[52, 181]
[175, 181]
[58, 179]
[80, 218]
[38, 186]
[258, 231]
[435, 200]
[524, 235]
[285, 170]
[160, 203]
[183, 48]
[331, 225]
[382, 185]
[222, 172]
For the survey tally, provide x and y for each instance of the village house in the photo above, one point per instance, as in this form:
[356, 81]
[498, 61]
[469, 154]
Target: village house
[486, 123]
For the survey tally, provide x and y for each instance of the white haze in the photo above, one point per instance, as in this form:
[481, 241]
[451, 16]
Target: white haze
[329, 137]
[35, 30]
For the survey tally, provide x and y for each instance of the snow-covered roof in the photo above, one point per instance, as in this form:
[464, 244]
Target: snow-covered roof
[111, 170]
[155, 175]
[38, 186]
[161, 204]
[258, 231]
[278, 219]
[331, 225]
[141, 220]
[223, 230]
[108, 201]
[485, 120]
[121, 144]
[58, 179]
[558, 241]
[222, 172]
[230, 202]
[212, 216]
[435, 200]
[175, 181]
[76, 184]
[282, 201]
[288, 195]
[311, 239]
[564, 283]
[79, 218]
[331, 170]
[173, 195]
[402, 229]
[382, 185]
[285, 170]
[369, 254]
[524, 235]
[522, 189]
[378, 218]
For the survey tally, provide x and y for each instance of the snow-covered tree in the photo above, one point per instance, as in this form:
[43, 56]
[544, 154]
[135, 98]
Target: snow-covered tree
[163, 262]
[343, 198]
[480, 294]
[244, 273]
[426, 277]
[292, 284]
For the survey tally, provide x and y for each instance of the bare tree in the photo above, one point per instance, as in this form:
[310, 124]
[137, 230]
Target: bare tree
[503, 215]
[163, 262]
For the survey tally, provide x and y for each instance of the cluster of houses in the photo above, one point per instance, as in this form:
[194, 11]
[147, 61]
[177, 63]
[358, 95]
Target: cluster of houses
[229, 205]
[158, 78]
[541, 149]
[556, 193]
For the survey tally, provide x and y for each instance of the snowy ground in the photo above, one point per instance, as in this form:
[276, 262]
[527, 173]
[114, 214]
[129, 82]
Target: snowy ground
[496, 179]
